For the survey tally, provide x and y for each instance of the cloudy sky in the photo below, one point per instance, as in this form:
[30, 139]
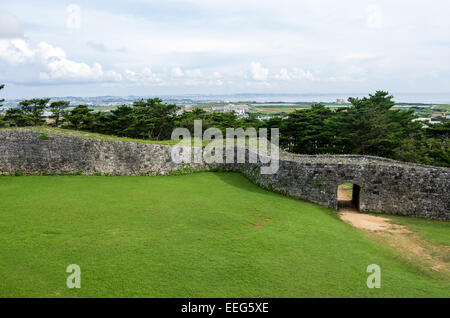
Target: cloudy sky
[137, 47]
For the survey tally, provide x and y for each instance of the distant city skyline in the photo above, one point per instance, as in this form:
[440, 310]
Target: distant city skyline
[200, 47]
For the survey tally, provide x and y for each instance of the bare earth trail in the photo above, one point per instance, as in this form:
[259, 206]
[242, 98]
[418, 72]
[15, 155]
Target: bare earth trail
[408, 243]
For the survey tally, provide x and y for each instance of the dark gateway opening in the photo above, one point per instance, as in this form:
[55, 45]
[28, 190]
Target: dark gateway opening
[348, 196]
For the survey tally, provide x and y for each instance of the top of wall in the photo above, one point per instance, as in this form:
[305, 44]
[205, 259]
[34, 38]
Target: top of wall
[353, 159]
[285, 156]
[84, 134]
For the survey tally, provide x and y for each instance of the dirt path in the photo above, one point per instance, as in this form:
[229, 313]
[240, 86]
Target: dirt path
[406, 242]
[370, 222]
[344, 193]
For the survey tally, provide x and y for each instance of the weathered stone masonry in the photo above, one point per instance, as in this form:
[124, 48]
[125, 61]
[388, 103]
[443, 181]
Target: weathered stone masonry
[385, 185]
[28, 153]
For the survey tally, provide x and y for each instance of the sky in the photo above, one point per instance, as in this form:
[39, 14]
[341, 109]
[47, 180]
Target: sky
[136, 47]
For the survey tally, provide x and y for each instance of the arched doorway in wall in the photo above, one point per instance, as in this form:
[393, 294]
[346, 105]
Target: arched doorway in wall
[348, 196]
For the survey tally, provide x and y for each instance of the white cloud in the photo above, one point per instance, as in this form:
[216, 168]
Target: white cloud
[216, 82]
[195, 73]
[295, 73]
[145, 76]
[50, 63]
[283, 75]
[302, 74]
[194, 77]
[216, 75]
[258, 73]
[392, 48]
[177, 72]
[15, 51]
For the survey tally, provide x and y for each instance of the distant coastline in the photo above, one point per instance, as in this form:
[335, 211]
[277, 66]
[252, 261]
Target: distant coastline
[416, 98]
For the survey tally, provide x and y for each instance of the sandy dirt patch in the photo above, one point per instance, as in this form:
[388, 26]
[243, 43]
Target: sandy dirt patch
[370, 222]
[405, 241]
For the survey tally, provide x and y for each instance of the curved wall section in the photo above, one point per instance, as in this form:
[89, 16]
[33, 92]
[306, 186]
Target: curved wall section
[386, 186]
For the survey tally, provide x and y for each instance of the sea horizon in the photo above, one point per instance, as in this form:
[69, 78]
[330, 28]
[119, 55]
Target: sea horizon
[425, 98]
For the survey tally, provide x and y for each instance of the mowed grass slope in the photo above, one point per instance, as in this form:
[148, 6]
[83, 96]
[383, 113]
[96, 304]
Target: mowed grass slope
[199, 235]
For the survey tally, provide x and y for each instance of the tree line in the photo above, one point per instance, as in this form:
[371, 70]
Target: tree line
[368, 127]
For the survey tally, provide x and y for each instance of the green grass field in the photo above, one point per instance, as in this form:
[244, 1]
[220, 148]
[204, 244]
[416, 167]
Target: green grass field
[199, 235]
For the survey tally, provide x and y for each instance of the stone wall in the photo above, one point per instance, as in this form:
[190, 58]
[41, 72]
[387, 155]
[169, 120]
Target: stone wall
[27, 152]
[386, 186]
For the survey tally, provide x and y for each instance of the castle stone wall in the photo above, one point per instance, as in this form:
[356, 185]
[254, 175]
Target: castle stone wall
[387, 186]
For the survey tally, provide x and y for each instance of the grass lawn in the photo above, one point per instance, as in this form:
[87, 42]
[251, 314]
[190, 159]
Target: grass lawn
[199, 235]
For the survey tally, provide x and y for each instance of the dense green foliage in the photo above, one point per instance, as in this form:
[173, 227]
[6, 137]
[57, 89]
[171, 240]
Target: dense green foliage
[3, 123]
[131, 238]
[29, 113]
[369, 126]
[1, 99]
[57, 109]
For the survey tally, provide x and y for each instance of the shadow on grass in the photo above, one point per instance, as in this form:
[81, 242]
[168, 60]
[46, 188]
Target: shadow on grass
[238, 180]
